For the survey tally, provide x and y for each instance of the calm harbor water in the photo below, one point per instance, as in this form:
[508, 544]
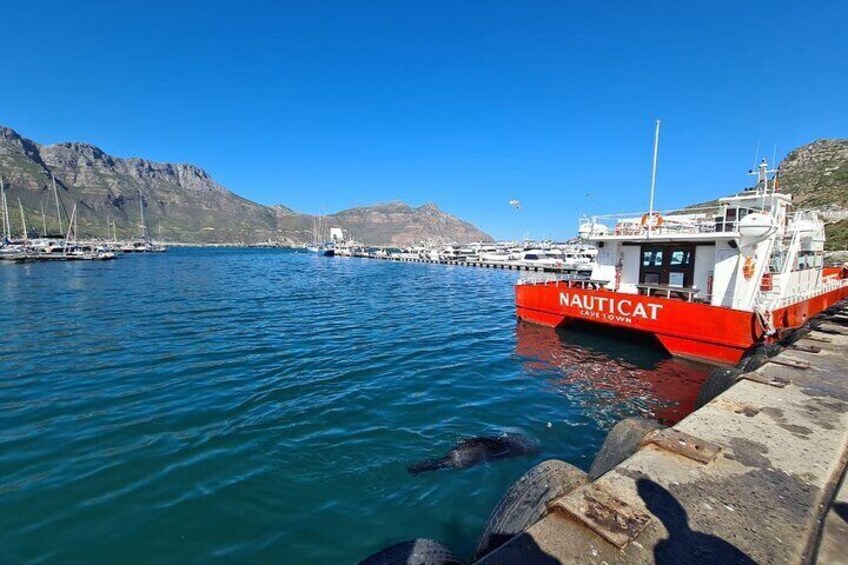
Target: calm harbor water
[262, 405]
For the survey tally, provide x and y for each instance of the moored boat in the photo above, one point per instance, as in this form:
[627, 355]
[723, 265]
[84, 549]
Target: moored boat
[709, 283]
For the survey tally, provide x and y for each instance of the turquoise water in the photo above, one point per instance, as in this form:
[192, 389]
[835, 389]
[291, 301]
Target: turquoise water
[262, 405]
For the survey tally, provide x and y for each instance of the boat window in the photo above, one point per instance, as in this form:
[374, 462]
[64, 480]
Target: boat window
[531, 257]
[680, 257]
[805, 260]
[652, 258]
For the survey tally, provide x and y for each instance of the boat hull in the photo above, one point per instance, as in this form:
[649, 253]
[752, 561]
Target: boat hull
[685, 329]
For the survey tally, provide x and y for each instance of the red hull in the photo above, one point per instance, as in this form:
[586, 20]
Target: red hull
[686, 329]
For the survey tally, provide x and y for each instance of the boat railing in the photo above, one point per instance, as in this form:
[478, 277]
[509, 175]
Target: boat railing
[557, 278]
[696, 220]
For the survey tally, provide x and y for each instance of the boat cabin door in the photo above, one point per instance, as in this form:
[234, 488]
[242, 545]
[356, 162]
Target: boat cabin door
[667, 264]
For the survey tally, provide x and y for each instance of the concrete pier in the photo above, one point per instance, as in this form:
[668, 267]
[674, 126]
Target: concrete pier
[507, 265]
[749, 478]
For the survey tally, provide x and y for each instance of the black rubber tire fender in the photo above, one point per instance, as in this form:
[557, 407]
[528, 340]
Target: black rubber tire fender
[753, 361]
[795, 336]
[526, 502]
[717, 382]
[419, 551]
[622, 441]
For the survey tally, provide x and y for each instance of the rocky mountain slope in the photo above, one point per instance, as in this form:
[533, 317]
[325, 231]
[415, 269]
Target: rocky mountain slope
[184, 202]
[816, 175]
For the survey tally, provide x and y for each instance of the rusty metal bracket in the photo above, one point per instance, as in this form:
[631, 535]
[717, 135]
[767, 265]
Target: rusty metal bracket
[811, 337]
[788, 361]
[683, 444]
[608, 516]
[759, 377]
[805, 348]
[832, 329]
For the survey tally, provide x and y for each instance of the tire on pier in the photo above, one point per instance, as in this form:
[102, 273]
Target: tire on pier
[796, 335]
[418, 551]
[526, 502]
[621, 442]
[717, 382]
[758, 357]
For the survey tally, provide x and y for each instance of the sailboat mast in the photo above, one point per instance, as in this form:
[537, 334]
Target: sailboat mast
[6, 212]
[70, 224]
[58, 208]
[4, 215]
[143, 223]
[23, 219]
[43, 219]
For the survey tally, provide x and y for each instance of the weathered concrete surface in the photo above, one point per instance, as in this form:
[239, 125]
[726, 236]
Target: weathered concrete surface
[761, 500]
[834, 541]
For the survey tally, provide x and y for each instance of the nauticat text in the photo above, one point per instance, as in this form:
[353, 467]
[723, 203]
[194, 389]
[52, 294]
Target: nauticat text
[608, 308]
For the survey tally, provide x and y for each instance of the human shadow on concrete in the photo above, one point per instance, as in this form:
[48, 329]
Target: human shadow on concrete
[841, 510]
[521, 549]
[683, 544]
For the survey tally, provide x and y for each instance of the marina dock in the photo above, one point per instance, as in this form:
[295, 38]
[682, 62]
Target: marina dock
[507, 265]
[754, 476]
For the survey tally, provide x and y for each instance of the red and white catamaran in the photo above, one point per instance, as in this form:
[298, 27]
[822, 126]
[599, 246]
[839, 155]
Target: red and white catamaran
[709, 283]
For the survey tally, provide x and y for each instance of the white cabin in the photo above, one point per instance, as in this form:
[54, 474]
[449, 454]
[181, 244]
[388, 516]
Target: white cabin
[748, 252]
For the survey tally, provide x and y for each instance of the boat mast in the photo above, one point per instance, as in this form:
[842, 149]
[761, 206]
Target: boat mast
[23, 219]
[143, 223]
[653, 180]
[43, 220]
[5, 215]
[58, 208]
[70, 225]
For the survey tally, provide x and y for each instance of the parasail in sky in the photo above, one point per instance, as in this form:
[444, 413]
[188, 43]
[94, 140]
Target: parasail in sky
[515, 204]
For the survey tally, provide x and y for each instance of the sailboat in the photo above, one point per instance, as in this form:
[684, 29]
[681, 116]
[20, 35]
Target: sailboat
[143, 245]
[316, 245]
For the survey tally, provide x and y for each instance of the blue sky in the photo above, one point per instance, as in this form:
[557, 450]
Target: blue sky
[324, 105]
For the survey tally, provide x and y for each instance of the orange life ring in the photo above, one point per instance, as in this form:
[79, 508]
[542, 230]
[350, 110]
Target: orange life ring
[748, 268]
[658, 219]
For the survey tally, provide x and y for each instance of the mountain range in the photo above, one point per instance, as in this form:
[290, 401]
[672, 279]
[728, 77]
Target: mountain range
[184, 203]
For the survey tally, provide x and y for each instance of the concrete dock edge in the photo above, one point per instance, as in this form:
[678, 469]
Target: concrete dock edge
[754, 477]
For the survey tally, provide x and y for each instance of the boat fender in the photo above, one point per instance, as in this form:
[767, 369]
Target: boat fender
[526, 501]
[658, 219]
[413, 552]
[621, 442]
[717, 382]
[748, 268]
[795, 335]
[758, 357]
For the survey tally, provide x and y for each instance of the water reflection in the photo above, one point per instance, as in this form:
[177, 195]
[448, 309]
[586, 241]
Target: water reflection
[619, 374]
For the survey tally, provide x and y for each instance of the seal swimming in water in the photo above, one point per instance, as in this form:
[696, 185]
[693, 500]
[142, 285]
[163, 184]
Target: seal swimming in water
[476, 450]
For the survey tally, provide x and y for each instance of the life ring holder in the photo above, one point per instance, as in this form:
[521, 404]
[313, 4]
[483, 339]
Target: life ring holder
[748, 268]
[658, 219]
